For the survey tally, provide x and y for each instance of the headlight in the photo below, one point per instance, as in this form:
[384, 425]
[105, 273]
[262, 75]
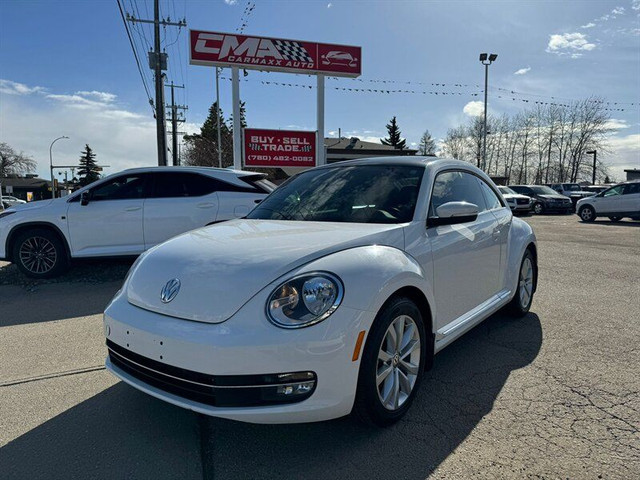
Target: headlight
[305, 300]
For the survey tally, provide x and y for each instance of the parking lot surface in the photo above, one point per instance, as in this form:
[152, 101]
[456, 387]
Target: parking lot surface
[552, 395]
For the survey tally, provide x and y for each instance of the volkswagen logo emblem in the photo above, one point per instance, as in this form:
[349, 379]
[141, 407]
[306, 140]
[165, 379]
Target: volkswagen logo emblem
[170, 290]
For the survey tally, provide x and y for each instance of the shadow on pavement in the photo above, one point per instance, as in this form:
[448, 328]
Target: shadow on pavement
[622, 223]
[119, 433]
[122, 433]
[466, 379]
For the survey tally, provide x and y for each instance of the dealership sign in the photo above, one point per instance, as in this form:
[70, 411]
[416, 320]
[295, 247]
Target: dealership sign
[273, 54]
[279, 148]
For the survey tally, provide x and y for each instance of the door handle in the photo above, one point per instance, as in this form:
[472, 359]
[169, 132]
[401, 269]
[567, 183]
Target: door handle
[496, 234]
[206, 205]
[132, 209]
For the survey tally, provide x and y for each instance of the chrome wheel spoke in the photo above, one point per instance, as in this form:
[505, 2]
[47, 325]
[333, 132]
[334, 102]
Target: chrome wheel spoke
[37, 254]
[383, 374]
[409, 368]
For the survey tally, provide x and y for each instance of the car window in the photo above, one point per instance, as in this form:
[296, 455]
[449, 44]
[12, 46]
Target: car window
[183, 184]
[120, 188]
[456, 187]
[617, 190]
[355, 194]
[490, 197]
[631, 188]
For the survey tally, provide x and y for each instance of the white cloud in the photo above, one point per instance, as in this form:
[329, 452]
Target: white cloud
[120, 137]
[230, 2]
[329, 5]
[15, 88]
[625, 154]
[474, 108]
[635, 4]
[522, 71]
[588, 25]
[617, 11]
[101, 96]
[569, 44]
[616, 124]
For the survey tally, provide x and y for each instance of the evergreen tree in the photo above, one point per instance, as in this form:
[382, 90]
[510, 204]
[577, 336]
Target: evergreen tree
[394, 139]
[89, 171]
[427, 144]
[202, 148]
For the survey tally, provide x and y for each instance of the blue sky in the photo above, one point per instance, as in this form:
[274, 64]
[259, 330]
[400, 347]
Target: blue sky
[66, 68]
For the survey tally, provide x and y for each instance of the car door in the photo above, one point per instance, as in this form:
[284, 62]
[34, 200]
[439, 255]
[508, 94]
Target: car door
[111, 223]
[179, 202]
[466, 256]
[611, 200]
[237, 199]
[631, 199]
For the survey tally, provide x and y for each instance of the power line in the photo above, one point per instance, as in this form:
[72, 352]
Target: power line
[135, 54]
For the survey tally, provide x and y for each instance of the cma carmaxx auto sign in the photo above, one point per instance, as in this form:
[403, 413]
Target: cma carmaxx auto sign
[275, 54]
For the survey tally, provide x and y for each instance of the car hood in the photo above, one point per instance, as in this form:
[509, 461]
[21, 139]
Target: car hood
[553, 197]
[223, 266]
[515, 196]
[21, 207]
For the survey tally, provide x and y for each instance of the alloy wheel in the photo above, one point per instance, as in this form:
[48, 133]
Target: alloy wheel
[398, 362]
[537, 208]
[586, 214]
[526, 282]
[38, 255]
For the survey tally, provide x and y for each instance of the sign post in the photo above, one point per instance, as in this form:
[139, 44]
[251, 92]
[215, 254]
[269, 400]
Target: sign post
[274, 54]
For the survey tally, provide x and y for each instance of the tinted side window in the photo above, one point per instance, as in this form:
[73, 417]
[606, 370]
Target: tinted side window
[456, 187]
[120, 188]
[490, 196]
[617, 190]
[183, 184]
[631, 188]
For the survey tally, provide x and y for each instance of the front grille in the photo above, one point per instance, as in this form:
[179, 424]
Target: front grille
[214, 390]
[523, 201]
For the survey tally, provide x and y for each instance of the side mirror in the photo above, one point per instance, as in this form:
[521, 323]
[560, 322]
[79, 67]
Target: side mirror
[452, 213]
[84, 198]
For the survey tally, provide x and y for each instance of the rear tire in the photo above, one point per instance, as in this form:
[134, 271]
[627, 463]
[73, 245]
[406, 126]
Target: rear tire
[392, 364]
[587, 213]
[527, 282]
[39, 253]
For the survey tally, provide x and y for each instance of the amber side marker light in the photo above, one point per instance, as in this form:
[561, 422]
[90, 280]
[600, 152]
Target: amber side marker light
[356, 350]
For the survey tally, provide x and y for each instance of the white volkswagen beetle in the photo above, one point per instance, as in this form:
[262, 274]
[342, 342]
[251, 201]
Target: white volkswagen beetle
[333, 295]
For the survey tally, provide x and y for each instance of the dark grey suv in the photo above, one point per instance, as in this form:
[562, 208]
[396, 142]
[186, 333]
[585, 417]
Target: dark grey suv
[545, 199]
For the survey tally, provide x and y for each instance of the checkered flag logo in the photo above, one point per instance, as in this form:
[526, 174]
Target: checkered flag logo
[292, 51]
[255, 146]
[306, 148]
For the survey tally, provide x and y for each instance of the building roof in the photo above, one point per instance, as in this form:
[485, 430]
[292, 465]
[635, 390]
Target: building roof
[24, 182]
[359, 147]
[634, 170]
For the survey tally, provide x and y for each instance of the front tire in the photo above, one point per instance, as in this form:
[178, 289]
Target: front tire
[527, 279]
[538, 208]
[392, 364]
[39, 253]
[587, 213]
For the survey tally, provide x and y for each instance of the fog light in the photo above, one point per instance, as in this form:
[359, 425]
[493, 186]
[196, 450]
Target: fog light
[295, 389]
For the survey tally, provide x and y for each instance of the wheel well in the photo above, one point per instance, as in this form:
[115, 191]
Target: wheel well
[417, 297]
[13, 234]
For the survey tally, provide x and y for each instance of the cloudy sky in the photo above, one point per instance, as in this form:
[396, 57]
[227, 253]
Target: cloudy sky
[67, 68]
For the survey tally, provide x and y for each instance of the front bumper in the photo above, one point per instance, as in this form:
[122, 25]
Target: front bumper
[246, 344]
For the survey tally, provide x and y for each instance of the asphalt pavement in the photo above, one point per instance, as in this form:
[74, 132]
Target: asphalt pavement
[552, 395]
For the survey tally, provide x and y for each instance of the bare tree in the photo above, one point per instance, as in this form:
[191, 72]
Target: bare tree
[12, 162]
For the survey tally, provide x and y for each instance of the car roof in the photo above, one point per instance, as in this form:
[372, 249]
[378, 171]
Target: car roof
[204, 170]
[408, 160]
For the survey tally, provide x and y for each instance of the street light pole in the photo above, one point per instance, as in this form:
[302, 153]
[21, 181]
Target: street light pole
[593, 152]
[53, 190]
[486, 60]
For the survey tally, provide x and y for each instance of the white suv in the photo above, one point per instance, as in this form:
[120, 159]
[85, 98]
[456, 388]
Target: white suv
[622, 200]
[124, 214]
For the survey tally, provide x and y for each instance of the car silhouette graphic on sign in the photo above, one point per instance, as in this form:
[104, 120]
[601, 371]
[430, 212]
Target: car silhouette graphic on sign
[339, 58]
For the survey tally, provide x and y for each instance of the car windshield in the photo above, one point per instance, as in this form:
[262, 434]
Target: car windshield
[541, 190]
[507, 191]
[357, 194]
[574, 187]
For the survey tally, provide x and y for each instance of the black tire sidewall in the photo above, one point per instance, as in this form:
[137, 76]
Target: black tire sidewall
[367, 400]
[515, 307]
[535, 208]
[61, 253]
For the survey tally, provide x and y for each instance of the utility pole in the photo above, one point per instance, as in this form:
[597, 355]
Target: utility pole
[218, 117]
[593, 152]
[174, 123]
[158, 63]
